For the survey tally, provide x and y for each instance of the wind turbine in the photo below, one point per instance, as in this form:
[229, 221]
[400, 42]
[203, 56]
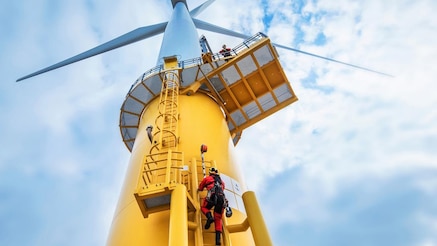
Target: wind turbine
[192, 97]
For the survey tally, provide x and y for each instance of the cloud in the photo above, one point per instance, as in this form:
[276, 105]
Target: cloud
[349, 128]
[353, 161]
[311, 209]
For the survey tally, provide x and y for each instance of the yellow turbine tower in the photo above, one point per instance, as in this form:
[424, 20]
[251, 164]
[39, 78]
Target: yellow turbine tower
[192, 97]
[164, 123]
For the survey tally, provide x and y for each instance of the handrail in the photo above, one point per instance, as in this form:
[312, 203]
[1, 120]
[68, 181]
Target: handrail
[164, 170]
[198, 60]
[185, 195]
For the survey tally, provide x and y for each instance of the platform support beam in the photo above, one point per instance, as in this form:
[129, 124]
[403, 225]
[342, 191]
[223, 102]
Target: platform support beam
[178, 231]
[256, 221]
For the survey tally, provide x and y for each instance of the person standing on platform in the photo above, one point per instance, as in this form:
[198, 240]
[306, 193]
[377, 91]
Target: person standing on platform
[225, 52]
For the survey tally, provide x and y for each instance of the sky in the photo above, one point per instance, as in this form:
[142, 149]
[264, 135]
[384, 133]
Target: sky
[353, 162]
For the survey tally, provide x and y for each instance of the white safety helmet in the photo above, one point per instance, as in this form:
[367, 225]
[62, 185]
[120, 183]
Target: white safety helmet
[213, 170]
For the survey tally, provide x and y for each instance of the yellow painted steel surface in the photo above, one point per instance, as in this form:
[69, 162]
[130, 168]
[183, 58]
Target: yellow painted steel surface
[178, 230]
[200, 122]
[256, 221]
[248, 87]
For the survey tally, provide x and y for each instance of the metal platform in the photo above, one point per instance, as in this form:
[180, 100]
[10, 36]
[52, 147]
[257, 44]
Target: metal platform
[249, 86]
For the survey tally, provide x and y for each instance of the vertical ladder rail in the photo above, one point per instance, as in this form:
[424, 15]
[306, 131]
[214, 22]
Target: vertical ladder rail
[198, 219]
[226, 235]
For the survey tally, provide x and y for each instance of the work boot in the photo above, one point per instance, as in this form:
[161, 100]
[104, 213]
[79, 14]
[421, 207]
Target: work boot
[209, 220]
[217, 238]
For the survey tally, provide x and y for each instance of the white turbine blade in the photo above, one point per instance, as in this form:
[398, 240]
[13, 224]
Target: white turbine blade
[128, 38]
[330, 59]
[209, 27]
[195, 12]
[213, 28]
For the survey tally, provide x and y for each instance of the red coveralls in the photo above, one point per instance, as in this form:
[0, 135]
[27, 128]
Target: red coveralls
[225, 52]
[208, 183]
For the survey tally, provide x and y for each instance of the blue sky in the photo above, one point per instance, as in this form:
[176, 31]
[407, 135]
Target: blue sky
[353, 162]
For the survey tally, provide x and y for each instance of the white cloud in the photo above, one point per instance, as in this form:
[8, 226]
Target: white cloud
[350, 129]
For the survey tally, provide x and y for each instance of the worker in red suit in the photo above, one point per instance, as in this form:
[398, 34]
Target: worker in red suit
[225, 52]
[214, 198]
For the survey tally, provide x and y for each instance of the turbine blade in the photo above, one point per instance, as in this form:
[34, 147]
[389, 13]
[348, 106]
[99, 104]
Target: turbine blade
[209, 27]
[128, 38]
[213, 28]
[331, 60]
[195, 12]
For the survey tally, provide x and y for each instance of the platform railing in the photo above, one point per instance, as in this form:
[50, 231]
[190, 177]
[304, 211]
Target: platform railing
[246, 44]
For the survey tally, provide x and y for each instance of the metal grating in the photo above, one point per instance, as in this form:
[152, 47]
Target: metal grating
[249, 87]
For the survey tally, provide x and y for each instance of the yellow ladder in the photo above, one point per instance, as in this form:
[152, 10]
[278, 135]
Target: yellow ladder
[165, 183]
[167, 121]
